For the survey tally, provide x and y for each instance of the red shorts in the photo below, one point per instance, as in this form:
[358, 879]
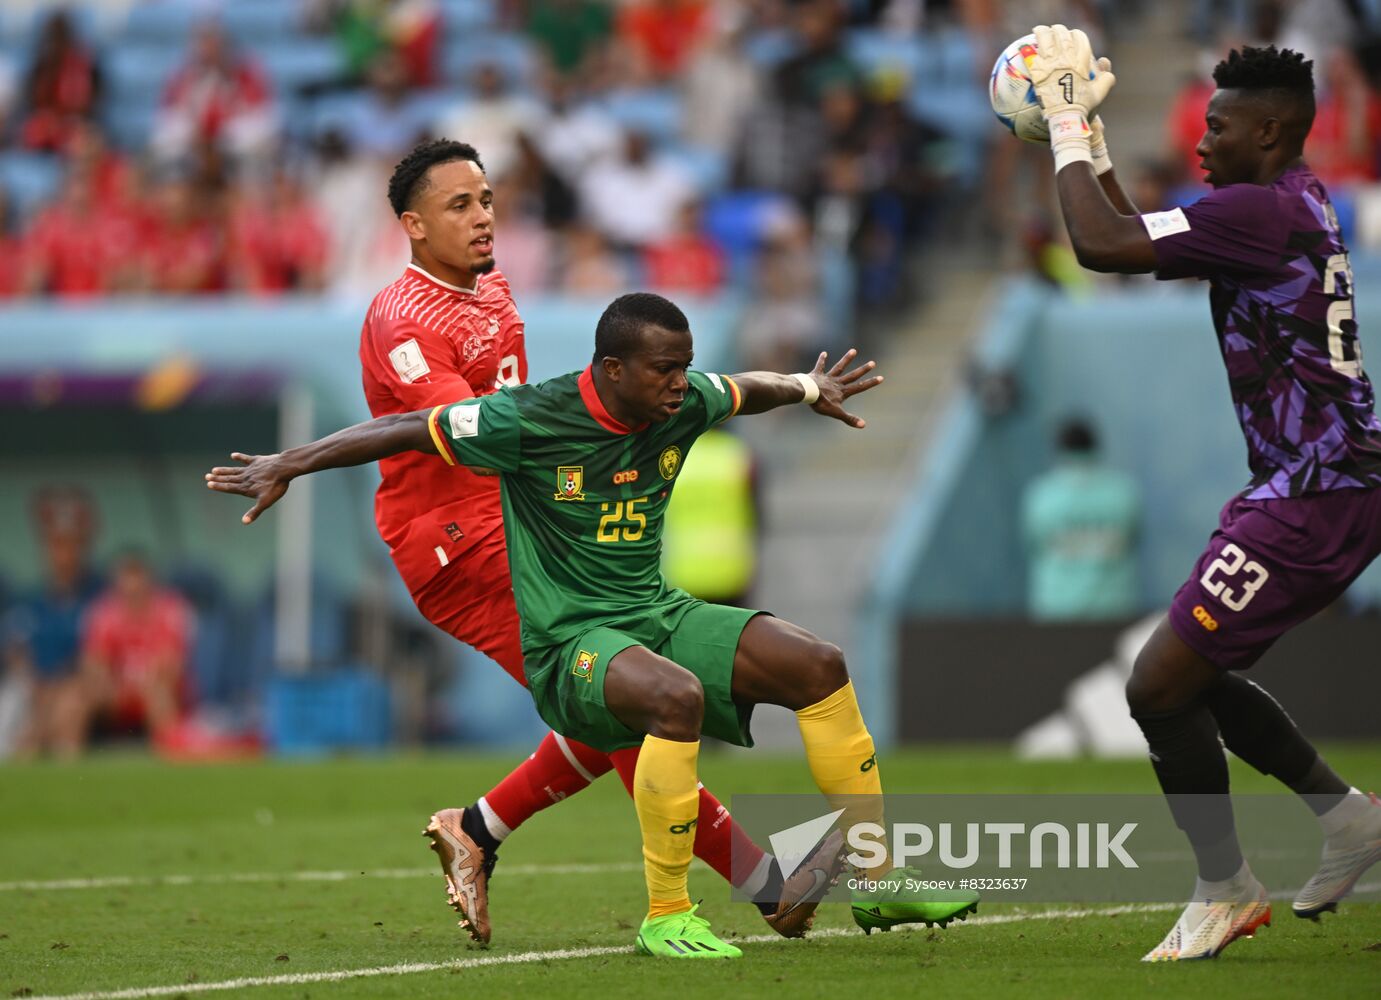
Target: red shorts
[472, 600]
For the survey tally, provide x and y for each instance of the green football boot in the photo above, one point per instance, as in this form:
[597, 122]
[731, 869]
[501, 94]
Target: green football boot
[682, 935]
[893, 904]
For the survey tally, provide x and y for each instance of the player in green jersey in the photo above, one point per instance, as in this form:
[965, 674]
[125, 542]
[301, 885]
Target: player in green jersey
[613, 656]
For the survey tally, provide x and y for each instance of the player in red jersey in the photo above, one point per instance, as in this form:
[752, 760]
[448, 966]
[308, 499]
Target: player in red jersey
[447, 330]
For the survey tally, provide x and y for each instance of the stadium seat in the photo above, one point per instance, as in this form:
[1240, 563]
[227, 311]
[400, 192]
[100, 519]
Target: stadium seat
[264, 22]
[296, 63]
[344, 709]
[29, 179]
[138, 73]
[461, 16]
[512, 54]
[657, 112]
[162, 22]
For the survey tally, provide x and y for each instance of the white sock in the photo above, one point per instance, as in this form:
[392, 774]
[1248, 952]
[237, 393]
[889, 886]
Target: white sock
[757, 878]
[1354, 805]
[497, 828]
[1229, 888]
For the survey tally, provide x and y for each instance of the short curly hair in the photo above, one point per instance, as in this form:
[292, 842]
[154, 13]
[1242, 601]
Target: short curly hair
[1265, 69]
[619, 331]
[410, 176]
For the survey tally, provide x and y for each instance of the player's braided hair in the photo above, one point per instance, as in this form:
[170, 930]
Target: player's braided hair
[619, 331]
[1265, 69]
[409, 176]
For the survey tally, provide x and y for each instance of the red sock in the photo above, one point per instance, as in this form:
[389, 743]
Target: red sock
[558, 768]
[719, 841]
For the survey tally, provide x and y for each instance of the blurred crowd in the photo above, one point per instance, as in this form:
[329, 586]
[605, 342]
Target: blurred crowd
[697, 146]
[85, 653]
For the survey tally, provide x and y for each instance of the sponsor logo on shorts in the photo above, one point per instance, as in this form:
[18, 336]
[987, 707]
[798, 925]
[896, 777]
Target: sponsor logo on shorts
[585, 665]
[625, 476]
[683, 827]
[570, 482]
[669, 462]
[1205, 619]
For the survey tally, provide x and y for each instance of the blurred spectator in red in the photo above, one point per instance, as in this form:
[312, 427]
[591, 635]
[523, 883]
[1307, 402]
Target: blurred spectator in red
[1347, 122]
[275, 240]
[62, 88]
[390, 120]
[135, 651]
[88, 151]
[217, 98]
[11, 249]
[590, 266]
[661, 35]
[492, 119]
[687, 260]
[183, 248]
[1185, 124]
[569, 32]
[74, 248]
[42, 632]
[633, 196]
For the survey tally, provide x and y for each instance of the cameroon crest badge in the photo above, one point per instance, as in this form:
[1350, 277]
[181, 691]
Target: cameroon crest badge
[669, 462]
[570, 482]
[585, 665]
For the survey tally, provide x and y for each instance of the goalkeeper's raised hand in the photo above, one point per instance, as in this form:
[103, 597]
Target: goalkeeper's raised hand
[1070, 84]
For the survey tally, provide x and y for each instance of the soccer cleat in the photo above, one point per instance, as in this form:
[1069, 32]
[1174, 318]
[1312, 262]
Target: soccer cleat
[1205, 928]
[892, 904]
[1345, 859]
[802, 892]
[682, 935]
[467, 870]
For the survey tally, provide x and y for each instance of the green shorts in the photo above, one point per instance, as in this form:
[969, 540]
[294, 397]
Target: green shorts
[567, 681]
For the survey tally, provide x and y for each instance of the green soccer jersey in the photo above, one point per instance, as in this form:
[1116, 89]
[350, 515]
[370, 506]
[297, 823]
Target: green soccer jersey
[583, 496]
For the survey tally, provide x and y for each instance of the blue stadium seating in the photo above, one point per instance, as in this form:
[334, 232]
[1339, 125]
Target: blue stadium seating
[29, 179]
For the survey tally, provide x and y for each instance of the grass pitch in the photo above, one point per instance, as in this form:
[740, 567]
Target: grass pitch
[127, 877]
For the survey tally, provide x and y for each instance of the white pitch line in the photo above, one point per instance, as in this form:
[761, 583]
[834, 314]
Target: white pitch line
[237, 878]
[528, 957]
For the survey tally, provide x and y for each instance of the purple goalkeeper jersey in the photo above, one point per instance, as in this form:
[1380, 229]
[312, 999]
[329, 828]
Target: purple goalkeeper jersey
[1281, 295]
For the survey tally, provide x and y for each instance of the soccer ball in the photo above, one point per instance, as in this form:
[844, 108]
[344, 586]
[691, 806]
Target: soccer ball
[1012, 94]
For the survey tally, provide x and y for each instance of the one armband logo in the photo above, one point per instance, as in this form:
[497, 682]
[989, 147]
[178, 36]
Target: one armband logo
[686, 827]
[868, 764]
[1205, 619]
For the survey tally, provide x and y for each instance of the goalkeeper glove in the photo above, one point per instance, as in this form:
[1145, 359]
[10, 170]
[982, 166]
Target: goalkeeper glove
[1069, 85]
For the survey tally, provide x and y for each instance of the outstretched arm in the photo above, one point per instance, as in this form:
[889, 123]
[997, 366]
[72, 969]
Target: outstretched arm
[265, 478]
[763, 391]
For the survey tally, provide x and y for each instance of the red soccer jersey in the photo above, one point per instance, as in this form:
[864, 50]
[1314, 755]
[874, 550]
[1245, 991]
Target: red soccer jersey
[425, 343]
[131, 642]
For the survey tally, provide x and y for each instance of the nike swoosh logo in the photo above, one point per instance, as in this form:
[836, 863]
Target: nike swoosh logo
[808, 897]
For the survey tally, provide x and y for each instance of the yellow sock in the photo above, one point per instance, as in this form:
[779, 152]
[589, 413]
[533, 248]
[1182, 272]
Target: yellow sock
[842, 759]
[666, 795]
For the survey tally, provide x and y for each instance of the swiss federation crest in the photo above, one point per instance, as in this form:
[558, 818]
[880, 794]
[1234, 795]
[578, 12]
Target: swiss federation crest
[669, 462]
[570, 482]
[585, 665]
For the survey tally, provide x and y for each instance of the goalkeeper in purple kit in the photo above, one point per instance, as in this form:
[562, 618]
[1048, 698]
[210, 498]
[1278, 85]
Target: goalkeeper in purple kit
[1280, 291]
